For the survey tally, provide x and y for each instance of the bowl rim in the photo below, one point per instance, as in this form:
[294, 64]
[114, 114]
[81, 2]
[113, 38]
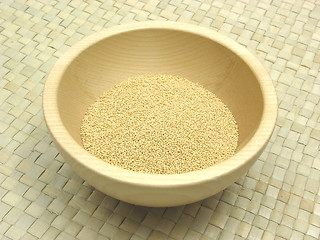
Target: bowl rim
[246, 155]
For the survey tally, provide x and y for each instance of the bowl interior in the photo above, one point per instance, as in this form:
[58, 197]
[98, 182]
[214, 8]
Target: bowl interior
[160, 51]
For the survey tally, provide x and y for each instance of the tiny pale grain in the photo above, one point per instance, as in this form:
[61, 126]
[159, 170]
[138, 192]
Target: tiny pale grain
[159, 124]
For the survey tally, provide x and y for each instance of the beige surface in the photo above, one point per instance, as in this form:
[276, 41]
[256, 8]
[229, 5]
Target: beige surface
[41, 197]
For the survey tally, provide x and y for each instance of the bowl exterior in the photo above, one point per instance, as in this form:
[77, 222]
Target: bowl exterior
[151, 196]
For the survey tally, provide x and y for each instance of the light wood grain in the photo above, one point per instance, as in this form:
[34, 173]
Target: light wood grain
[104, 59]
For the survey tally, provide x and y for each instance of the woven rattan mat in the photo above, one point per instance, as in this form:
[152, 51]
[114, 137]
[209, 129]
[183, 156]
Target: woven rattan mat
[42, 197]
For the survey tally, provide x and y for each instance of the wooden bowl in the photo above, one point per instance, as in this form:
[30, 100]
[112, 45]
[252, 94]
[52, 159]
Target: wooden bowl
[104, 59]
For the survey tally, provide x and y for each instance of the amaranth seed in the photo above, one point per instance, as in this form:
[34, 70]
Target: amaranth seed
[159, 124]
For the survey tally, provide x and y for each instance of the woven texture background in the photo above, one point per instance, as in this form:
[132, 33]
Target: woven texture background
[42, 197]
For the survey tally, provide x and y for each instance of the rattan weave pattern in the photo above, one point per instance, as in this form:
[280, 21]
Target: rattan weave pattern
[42, 198]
